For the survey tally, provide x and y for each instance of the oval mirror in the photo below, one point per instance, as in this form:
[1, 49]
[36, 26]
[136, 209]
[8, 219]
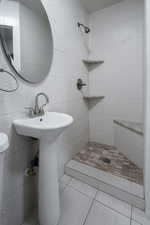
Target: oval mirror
[26, 38]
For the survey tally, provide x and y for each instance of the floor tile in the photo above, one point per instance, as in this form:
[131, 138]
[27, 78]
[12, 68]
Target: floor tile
[139, 216]
[61, 187]
[104, 182]
[135, 223]
[108, 178]
[64, 181]
[83, 188]
[101, 215]
[114, 203]
[74, 207]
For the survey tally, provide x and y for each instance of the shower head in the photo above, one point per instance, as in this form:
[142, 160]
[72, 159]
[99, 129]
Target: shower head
[86, 29]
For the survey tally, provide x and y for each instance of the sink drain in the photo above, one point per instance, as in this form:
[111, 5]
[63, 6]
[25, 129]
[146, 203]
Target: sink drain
[106, 160]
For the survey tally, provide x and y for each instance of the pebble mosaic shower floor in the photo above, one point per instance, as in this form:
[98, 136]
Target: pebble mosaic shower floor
[109, 159]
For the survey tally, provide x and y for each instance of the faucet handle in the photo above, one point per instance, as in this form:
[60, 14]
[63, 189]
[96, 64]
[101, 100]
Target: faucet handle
[42, 109]
[31, 110]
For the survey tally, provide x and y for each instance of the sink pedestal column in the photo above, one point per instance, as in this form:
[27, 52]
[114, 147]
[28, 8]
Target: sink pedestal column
[49, 206]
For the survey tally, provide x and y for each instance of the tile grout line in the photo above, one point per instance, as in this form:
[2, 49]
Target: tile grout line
[99, 190]
[67, 184]
[108, 206]
[132, 219]
[81, 192]
[88, 211]
[96, 194]
[112, 209]
[99, 202]
[114, 197]
[131, 216]
[69, 181]
[94, 198]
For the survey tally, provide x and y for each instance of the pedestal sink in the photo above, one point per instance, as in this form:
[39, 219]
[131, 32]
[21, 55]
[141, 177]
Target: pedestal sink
[46, 128]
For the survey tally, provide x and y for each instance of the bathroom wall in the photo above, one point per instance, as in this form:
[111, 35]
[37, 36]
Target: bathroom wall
[70, 47]
[117, 38]
[147, 107]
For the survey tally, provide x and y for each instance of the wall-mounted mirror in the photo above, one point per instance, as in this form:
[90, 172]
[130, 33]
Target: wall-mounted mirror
[26, 38]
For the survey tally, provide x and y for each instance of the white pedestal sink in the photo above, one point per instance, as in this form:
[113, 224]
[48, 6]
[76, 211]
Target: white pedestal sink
[46, 128]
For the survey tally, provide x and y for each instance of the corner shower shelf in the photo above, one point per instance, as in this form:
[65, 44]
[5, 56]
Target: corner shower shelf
[93, 97]
[92, 62]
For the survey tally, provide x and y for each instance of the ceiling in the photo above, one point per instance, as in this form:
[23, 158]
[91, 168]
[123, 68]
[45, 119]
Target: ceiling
[35, 5]
[94, 5]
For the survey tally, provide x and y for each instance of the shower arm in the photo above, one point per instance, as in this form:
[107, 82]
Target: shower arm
[86, 29]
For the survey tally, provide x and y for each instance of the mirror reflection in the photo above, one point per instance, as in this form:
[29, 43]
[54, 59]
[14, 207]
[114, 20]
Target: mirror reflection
[26, 38]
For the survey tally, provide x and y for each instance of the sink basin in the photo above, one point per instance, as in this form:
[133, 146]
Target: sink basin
[47, 129]
[51, 124]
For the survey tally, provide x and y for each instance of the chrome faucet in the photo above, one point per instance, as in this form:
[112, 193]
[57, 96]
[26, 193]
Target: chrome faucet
[38, 110]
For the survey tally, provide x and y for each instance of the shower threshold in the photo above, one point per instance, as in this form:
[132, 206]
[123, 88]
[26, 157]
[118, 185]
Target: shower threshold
[107, 169]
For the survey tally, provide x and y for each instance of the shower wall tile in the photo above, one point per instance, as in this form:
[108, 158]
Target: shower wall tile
[70, 47]
[117, 38]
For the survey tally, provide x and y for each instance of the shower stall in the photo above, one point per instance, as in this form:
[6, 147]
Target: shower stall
[113, 159]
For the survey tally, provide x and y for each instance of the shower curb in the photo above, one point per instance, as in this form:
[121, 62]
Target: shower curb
[74, 169]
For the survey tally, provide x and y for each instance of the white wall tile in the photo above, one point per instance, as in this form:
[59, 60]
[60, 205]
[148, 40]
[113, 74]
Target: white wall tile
[130, 143]
[70, 47]
[117, 38]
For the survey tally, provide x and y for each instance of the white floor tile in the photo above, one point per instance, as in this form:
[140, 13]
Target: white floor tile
[61, 187]
[101, 215]
[83, 188]
[134, 223]
[114, 203]
[64, 181]
[139, 216]
[73, 170]
[74, 207]
[107, 178]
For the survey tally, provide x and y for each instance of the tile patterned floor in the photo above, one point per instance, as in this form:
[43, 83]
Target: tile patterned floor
[82, 204]
[109, 159]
